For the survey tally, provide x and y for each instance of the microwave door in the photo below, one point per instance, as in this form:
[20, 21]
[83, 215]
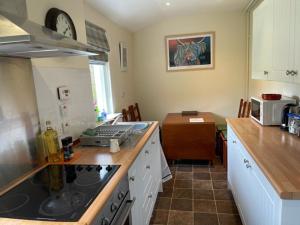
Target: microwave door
[255, 109]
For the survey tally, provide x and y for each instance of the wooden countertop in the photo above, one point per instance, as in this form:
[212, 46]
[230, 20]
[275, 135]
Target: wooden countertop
[177, 118]
[96, 155]
[276, 152]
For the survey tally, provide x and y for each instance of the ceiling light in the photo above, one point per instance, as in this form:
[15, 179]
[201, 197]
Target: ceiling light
[168, 3]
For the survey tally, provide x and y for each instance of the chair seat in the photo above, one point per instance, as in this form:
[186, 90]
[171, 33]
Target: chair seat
[221, 127]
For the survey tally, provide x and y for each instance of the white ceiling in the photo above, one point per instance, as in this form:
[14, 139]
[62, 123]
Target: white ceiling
[137, 14]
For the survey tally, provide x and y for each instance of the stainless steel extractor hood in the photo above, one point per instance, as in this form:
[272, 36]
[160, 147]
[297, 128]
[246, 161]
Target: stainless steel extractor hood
[20, 37]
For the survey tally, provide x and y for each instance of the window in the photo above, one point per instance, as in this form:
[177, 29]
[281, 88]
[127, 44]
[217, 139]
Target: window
[101, 86]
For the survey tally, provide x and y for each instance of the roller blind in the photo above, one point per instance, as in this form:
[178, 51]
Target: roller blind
[96, 36]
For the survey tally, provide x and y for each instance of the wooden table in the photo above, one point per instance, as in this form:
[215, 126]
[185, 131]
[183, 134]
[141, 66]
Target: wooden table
[185, 140]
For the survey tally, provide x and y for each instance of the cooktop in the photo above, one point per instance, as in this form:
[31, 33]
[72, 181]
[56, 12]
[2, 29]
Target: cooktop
[56, 193]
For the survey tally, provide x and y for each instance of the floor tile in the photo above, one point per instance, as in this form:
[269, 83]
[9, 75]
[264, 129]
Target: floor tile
[205, 206]
[182, 204]
[226, 206]
[167, 192]
[223, 194]
[183, 184]
[200, 169]
[185, 169]
[201, 176]
[228, 219]
[202, 184]
[163, 203]
[183, 175]
[169, 183]
[218, 168]
[219, 176]
[181, 218]
[205, 219]
[183, 193]
[160, 217]
[203, 194]
[219, 184]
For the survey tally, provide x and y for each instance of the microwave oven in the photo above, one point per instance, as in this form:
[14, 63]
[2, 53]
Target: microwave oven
[268, 112]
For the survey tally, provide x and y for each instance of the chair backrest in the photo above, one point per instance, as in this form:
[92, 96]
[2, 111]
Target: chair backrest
[126, 115]
[244, 109]
[134, 111]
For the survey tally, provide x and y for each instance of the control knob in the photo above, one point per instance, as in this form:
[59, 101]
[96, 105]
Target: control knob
[108, 168]
[105, 221]
[113, 207]
[98, 168]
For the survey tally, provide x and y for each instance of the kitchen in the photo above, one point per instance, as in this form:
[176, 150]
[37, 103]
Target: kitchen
[29, 98]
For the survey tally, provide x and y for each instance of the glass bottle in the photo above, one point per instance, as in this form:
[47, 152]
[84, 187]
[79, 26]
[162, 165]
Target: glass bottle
[51, 144]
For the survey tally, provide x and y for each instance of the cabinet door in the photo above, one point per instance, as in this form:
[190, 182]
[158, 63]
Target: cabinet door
[281, 41]
[296, 4]
[262, 32]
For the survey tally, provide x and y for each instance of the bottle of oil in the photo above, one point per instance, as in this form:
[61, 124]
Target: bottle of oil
[50, 139]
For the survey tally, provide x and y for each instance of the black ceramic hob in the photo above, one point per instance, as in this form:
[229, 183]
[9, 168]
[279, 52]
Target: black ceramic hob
[56, 193]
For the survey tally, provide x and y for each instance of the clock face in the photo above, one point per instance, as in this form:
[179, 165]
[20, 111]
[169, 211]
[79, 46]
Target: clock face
[64, 25]
[60, 22]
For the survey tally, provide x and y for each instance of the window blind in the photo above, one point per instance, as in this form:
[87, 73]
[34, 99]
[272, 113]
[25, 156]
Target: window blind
[96, 36]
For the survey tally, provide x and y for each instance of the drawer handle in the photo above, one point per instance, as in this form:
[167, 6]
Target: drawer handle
[288, 72]
[153, 142]
[132, 178]
[248, 166]
[150, 196]
[148, 167]
[234, 142]
[266, 72]
[146, 152]
[246, 161]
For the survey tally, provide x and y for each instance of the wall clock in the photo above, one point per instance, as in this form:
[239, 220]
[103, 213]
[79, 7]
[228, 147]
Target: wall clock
[60, 22]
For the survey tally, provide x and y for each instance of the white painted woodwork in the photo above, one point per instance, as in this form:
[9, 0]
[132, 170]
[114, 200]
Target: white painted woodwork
[257, 201]
[146, 172]
[262, 32]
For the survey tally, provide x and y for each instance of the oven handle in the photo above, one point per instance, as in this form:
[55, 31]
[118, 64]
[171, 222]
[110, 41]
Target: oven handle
[123, 213]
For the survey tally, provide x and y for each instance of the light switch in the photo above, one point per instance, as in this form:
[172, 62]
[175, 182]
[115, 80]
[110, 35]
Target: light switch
[63, 93]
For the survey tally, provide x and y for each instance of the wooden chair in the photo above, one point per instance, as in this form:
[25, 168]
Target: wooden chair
[244, 112]
[135, 112]
[126, 115]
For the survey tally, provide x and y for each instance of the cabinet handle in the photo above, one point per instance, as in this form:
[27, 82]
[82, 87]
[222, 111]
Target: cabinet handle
[266, 72]
[248, 166]
[294, 72]
[132, 178]
[234, 142]
[246, 161]
[150, 196]
[153, 142]
[288, 72]
[148, 167]
[146, 152]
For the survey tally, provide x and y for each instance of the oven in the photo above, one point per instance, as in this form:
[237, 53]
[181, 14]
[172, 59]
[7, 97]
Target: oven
[118, 208]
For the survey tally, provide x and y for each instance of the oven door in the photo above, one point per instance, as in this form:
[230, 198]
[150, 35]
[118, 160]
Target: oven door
[123, 214]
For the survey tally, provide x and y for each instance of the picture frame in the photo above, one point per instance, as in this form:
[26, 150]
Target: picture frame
[190, 51]
[123, 50]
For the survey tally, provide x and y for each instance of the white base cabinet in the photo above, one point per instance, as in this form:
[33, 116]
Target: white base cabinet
[145, 180]
[257, 201]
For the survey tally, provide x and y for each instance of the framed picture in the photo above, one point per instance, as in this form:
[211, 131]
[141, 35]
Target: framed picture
[123, 56]
[190, 51]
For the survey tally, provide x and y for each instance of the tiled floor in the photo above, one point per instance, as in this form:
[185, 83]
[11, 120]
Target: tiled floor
[197, 195]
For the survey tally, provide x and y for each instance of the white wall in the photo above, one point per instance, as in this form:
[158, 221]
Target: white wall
[218, 90]
[74, 72]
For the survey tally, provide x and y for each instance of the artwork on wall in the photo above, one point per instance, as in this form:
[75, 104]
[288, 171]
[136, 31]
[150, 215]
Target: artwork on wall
[123, 56]
[190, 51]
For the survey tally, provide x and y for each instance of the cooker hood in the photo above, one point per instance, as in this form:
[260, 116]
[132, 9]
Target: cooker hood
[20, 37]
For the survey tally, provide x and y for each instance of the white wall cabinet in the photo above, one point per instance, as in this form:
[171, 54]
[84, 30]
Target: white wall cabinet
[145, 180]
[275, 49]
[257, 201]
[262, 32]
